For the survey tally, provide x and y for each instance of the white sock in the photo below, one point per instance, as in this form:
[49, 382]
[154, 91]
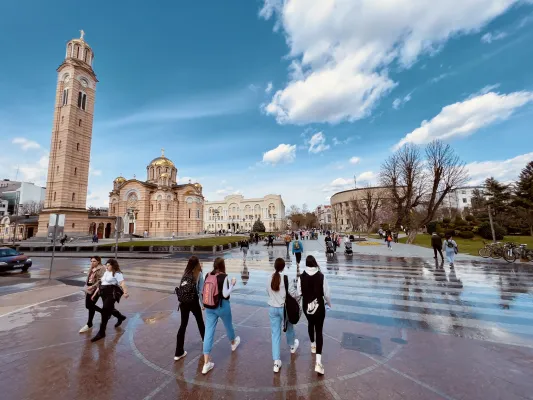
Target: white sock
[319, 358]
[312, 343]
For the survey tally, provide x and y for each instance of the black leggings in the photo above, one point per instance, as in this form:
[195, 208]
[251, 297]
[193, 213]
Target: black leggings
[298, 257]
[435, 249]
[315, 325]
[108, 308]
[186, 309]
[92, 307]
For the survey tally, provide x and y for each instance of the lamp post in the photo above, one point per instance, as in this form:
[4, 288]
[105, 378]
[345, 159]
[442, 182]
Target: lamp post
[274, 215]
[216, 215]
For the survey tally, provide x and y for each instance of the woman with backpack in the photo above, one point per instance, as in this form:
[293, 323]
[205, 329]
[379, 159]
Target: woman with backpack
[451, 249]
[215, 297]
[188, 293]
[244, 247]
[112, 288]
[388, 239]
[297, 250]
[314, 289]
[277, 292]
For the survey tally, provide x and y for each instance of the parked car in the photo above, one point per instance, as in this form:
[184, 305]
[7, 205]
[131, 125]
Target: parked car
[11, 259]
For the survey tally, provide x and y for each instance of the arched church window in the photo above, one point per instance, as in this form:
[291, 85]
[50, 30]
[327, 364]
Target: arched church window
[75, 171]
[57, 170]
[60, 144]
[159, 207]
[64, 101]
[168, 207]
[54, 196]
[77, 51]
[158, 224]
[189, 213]
[77, 146]
[73, 196]
[152, 208]
[83, 101]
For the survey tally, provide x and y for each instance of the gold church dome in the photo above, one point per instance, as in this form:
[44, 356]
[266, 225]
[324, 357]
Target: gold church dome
[164, 175]
[197, 185]
[120, 179]
[162, 161]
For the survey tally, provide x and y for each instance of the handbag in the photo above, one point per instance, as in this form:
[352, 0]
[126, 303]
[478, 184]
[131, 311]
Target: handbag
[291, 309]
[117, 293]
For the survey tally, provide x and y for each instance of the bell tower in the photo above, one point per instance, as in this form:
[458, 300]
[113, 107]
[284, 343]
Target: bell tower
[70, 147]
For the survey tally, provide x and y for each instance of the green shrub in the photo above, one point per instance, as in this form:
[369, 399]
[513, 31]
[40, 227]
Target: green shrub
[470, 218]
[466, 234]
[432, 226]
[442, 235]
[459, 221]
[446, 220]
[486, 233]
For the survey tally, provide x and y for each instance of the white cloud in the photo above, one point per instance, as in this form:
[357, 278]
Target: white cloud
[98, 196]
[341, 50]
[227, 191]
[398, 102]
[490, 37]
[440, 77]
[355, 160]
[338, 185]
[465, 118]
[35, 172]
[26, 144]
[337, 142]
[186, 179]
[95, 172]
[269, 87]
[284, 153]
[367, 177]
[503, 170]
[317, 143]
[487, 89]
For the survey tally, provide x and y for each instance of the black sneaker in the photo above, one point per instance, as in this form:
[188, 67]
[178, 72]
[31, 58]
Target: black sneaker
[97, 337]
[120, 321]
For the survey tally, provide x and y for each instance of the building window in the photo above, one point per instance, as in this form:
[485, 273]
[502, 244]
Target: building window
[77, 146]
[77, 52]
[60, 144]
[64, 101]
[168, 207]
[464, 200]
[82, 100]
[54, 196]
[73, 196]
[62, 119]
[152, 207]
[158, 225]
[151, 224]
[168, 224]
[75, 171]
[198, 214]
[79, 122]
[159, 207]
[189, 213]
[463, 192]
[57, 170]
[73, 225]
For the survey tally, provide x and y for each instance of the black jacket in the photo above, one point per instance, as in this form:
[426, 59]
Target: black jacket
[436, 241]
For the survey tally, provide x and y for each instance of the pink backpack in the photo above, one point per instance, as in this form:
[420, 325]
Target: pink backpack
[210, 294]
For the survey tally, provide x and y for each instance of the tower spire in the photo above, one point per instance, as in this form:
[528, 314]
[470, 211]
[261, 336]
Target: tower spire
[162, 152]
[82, 34]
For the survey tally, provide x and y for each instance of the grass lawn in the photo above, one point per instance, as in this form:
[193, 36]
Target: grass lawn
[469, 246]
[210, 241]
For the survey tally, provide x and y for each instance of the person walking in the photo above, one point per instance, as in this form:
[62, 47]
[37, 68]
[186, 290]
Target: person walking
[96, 271]
[314, 289]
[297, 250]
[451, 249]
[244, 248]
[436, 243]
[191, 286]
[287, 241]
[388, 239]
[270, 241]
[256, 238]
[215, 297]
[276, 291]
[112, 287]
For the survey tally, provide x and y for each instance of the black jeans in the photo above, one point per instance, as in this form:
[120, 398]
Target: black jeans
[439, 249]
[108, 307]
[298, 257]
[315, 326]
[186, 309]
[92, 307]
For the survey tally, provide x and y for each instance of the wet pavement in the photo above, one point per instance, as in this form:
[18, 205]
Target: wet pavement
[400, 327]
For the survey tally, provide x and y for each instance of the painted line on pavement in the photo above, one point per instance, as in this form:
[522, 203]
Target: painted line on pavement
[39, 303]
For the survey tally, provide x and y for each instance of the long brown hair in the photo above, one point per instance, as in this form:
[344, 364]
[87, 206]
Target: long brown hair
[279, 265]
[114, 265]
[310, 262]
[219, 265]
[191, 265]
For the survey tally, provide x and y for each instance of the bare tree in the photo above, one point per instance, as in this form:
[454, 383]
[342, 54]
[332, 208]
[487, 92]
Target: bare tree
[366, 208]
[335, 213]
[31, 208]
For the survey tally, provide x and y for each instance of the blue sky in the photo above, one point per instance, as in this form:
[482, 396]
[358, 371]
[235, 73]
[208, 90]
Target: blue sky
[259, 97]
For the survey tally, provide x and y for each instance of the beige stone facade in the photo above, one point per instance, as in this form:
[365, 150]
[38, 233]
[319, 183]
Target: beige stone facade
[158, 206]
[70, 147]
[235, 213]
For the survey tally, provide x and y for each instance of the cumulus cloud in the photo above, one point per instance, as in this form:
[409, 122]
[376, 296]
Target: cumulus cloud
[95, 172]
[269, 87]
[227, 191]
[490, 37]
[317, 143]
[367, 177]
[284, 153]
[355, 160]
[35, 172]
[465, 118]
[337, 141]
[341, 50]
[503, 170]
[398, 102]
[26, 144]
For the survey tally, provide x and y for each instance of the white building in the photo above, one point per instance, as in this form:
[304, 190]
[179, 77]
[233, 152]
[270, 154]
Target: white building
[235, 213]
[23, 193]
[461, 197]
[3, 207]
[323, 214]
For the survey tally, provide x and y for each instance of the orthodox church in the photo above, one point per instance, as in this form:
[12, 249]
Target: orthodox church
[159, 206]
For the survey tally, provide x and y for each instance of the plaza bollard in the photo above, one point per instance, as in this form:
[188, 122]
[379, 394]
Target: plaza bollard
[131, 249]
[46, 248]
[171, 249]
[112, 249]
[31, 248]
[229, 246]
[214, 248]
[192, 249]
[150, 249]
[78, 249]
[95, 249]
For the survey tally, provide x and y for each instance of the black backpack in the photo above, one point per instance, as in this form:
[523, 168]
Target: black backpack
[292, 310]
[186, 291]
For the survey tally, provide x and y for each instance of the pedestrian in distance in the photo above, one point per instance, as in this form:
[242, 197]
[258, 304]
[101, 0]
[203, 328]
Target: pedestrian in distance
[287, 242]
[216, 300]
[188, 293]
[451, 249]
[297, 250]
[388, 239]
[244, 248]
[112, 287]
[96, 271]
[436, 243]
[314, 289]
[270, 241]
[276, 290]
[256, 238]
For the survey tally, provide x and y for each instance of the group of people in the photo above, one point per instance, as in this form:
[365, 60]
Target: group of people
[450, 248]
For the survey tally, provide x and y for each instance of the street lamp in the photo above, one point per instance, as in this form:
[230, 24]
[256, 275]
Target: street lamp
[216, 216]
[274, 215]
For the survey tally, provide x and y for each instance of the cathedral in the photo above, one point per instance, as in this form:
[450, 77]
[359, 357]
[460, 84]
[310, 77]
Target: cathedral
[158, 207]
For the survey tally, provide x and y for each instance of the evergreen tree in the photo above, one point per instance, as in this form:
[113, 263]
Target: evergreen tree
[499, 198]
[259, 226]
[523, 199]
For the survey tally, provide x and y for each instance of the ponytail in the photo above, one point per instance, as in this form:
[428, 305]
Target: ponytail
[279, 265]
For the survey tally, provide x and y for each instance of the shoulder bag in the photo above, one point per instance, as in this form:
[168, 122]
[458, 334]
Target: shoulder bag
[291, 308]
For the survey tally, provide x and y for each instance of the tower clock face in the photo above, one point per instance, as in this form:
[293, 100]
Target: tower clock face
[84, 82]
[67, 79]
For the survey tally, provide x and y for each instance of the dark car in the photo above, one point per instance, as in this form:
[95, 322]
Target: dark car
[11, 259]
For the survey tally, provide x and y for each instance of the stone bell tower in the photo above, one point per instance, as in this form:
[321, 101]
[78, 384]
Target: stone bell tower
[70, 147]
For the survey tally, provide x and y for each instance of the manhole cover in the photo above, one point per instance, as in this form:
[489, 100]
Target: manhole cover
[398, 340]
[362, 343]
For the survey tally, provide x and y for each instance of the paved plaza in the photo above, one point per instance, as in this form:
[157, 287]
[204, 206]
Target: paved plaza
[401, 327]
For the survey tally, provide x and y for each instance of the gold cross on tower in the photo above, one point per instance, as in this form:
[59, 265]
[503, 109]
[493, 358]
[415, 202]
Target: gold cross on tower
[82, 34]
[162, 152]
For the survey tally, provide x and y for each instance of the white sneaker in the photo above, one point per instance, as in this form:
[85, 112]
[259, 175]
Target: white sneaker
[313, 348]
[277, 366]
[85, 329]
[236, 343]
[295, 346]
[319, 369]
[208, 367]
[180, 357]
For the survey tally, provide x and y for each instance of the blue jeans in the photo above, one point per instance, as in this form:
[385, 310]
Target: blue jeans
[276, 324]
[211, 320]
[450, 255]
